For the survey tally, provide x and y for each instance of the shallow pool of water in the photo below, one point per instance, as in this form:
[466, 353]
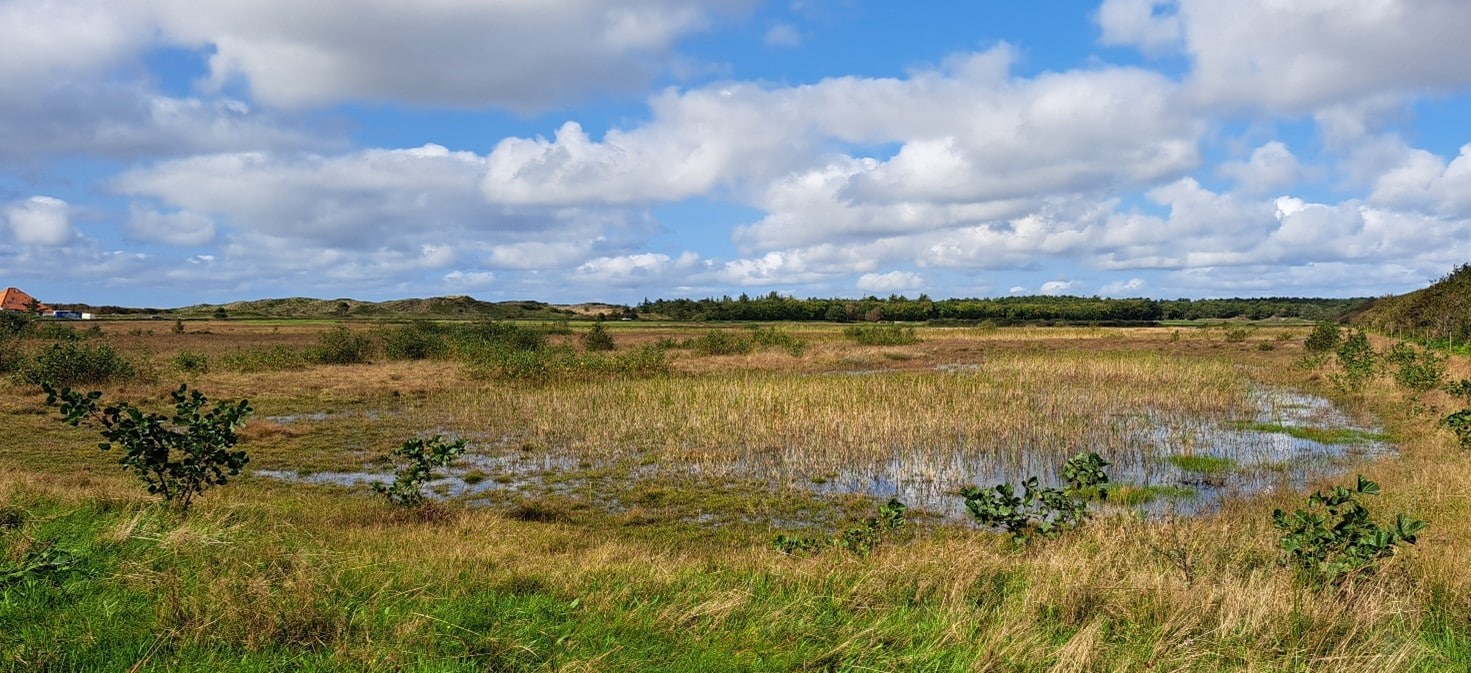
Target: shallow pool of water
[1191, 466]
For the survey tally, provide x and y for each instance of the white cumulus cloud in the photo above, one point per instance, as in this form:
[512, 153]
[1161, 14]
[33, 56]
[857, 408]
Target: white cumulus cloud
[893, 281]
[40, 220]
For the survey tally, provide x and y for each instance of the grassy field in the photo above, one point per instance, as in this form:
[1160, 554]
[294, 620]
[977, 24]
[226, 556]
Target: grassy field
[616, 511]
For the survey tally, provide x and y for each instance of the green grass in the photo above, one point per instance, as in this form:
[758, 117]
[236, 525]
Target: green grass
[1203, 464]
[1331, 436]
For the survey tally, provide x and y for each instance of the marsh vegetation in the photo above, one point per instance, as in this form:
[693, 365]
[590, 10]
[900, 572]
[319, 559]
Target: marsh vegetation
[605, 496]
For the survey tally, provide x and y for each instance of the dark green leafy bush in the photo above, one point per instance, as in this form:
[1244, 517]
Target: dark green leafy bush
[492, 335]
[1461, 389]
[418, 457]
[771, 337]
[1041, 510]
[598, 338]
[191, 363]
[418, 341]
[178, 457]
[70, 363]
[14, 324]
[1459, 423]
[340, 346]
[1237, 335]
[1419, 370]
[1334, 547]
[1324, 338]
[1358, 360]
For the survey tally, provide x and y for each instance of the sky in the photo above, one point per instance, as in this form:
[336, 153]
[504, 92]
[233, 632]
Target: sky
[172, 152]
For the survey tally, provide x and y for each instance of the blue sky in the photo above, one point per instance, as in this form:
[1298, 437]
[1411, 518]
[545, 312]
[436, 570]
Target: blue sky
[165, 153]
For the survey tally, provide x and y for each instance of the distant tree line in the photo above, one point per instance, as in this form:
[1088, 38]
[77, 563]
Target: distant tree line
[1000, 310]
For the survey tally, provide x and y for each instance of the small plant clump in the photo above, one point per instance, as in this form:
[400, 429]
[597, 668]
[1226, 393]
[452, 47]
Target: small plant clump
[418, 341]
[1041, 510]
[69, 363]
[1237, 335]
[720, 343]
[178, 457]
[882, 335]
[340, 346]
[1358, 360]
[190, 362]
[1421, 371]
[1459, 423]
[1333, 548]
[598, 338]
[860, 538]
[1324, 338]
[421, 457]
[771, 337]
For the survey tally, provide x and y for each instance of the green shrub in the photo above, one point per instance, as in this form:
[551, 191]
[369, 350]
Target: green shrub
[1332, 548]
[1324, 338]
[1419, 370]
[771, 337]
[721, 343]
[1041, 510]
[1459, 423]
[1461, 389]
[1358, 360]
[598, 339]
[178, 457]
[418, 341]
[340, 346]
[15, 324]
[860, 538]
[69, 363]
[1237, 335]
[882, 335]
[491, 335]
[419, 458]
[191, 363]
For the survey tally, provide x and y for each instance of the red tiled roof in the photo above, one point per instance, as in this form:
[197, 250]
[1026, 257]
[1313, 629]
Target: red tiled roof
[15, 300]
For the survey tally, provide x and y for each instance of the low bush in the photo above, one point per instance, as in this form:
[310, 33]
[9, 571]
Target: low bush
[190, 363]
[771, 337]
[1324, 338]
[1419, 370]
[1329, 549]
[417, 341]
[177, 458]
[1459, 423]
[70, 363]
[1041, 510]
[417, 458]
[491, 335]
[597, 339]
[882, 335]
[721, 343]
[340, 346]
[1358, 361]
[860, 538]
